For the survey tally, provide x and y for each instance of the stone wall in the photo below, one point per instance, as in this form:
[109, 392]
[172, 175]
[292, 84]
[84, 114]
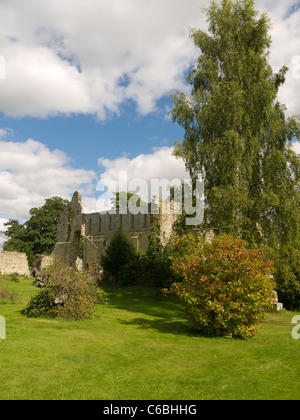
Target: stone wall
[90, 234]
[14, 262]
[98, 229]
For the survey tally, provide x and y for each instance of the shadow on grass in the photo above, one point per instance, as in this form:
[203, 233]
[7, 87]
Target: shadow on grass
[167, 311]
[167, 326]
[148, 301]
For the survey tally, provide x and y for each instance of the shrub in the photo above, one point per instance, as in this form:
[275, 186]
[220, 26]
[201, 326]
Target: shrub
[120, 256]
[226, 288]
[14, 277]
[66, 293]
[157, 260]
[41, 304]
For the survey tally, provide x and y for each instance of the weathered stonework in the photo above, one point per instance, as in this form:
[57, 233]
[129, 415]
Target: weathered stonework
[90, 234]
[277, 306]
[42, 261]
[14, 262]
[69, 231]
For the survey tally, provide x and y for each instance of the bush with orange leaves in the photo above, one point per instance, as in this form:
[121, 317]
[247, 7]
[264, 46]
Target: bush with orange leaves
[226, 288]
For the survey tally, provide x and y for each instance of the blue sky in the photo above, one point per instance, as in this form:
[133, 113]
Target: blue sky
[84, 91]
[84, 138]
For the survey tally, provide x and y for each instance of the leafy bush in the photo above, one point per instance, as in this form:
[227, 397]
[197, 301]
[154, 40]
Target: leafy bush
[120, 257]
[14, 277]
[226, 288]
[41, 304]
[130, 272]
[66, 293]
[157, 260]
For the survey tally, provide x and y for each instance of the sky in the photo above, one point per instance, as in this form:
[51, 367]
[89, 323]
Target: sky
[85, 91]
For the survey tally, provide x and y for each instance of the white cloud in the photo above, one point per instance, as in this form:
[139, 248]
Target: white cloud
[93, 56]
[3, 133]
[30, 173]
[161, 164]
[40, 84]
[285, 49]
[89, 204]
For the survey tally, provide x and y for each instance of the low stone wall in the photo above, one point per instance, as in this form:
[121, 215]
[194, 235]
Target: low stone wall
[14, 262]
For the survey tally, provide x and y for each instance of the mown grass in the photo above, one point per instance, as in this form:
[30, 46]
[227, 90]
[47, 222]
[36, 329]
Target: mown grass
[140, 347]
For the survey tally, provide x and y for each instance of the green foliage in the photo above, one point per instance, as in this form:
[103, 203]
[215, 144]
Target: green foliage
[288, 275]
[119, 254]
[226, 288]
[157, 260]
[16, 234]
[131, 271]
[41, 304]
[37, 235]
[14, 277]
[67, 294]
[81, 247]
[237, 138]
[124, 199]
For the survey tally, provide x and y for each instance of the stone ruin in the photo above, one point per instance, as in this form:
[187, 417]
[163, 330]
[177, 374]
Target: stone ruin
[89, 235]
[277, 306]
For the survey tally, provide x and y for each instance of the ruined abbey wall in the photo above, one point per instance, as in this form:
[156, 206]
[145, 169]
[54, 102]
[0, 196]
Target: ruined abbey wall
[99, 228]
[90, 234]
[14, 262]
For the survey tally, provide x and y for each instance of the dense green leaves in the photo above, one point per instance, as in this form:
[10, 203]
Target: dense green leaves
[16, 233]
[237, 136]
[124, 199]
[37, 235]
[120, 260]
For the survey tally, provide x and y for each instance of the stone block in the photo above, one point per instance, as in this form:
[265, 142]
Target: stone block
[14, 262]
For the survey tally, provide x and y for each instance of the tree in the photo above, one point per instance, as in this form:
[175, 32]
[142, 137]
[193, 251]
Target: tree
[237, 137]
[119, 255]
[37, 235]
[124, 199]
[16, 234]
[41, 227]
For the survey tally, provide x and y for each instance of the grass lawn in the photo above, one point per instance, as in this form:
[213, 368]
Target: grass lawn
[140, 347]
